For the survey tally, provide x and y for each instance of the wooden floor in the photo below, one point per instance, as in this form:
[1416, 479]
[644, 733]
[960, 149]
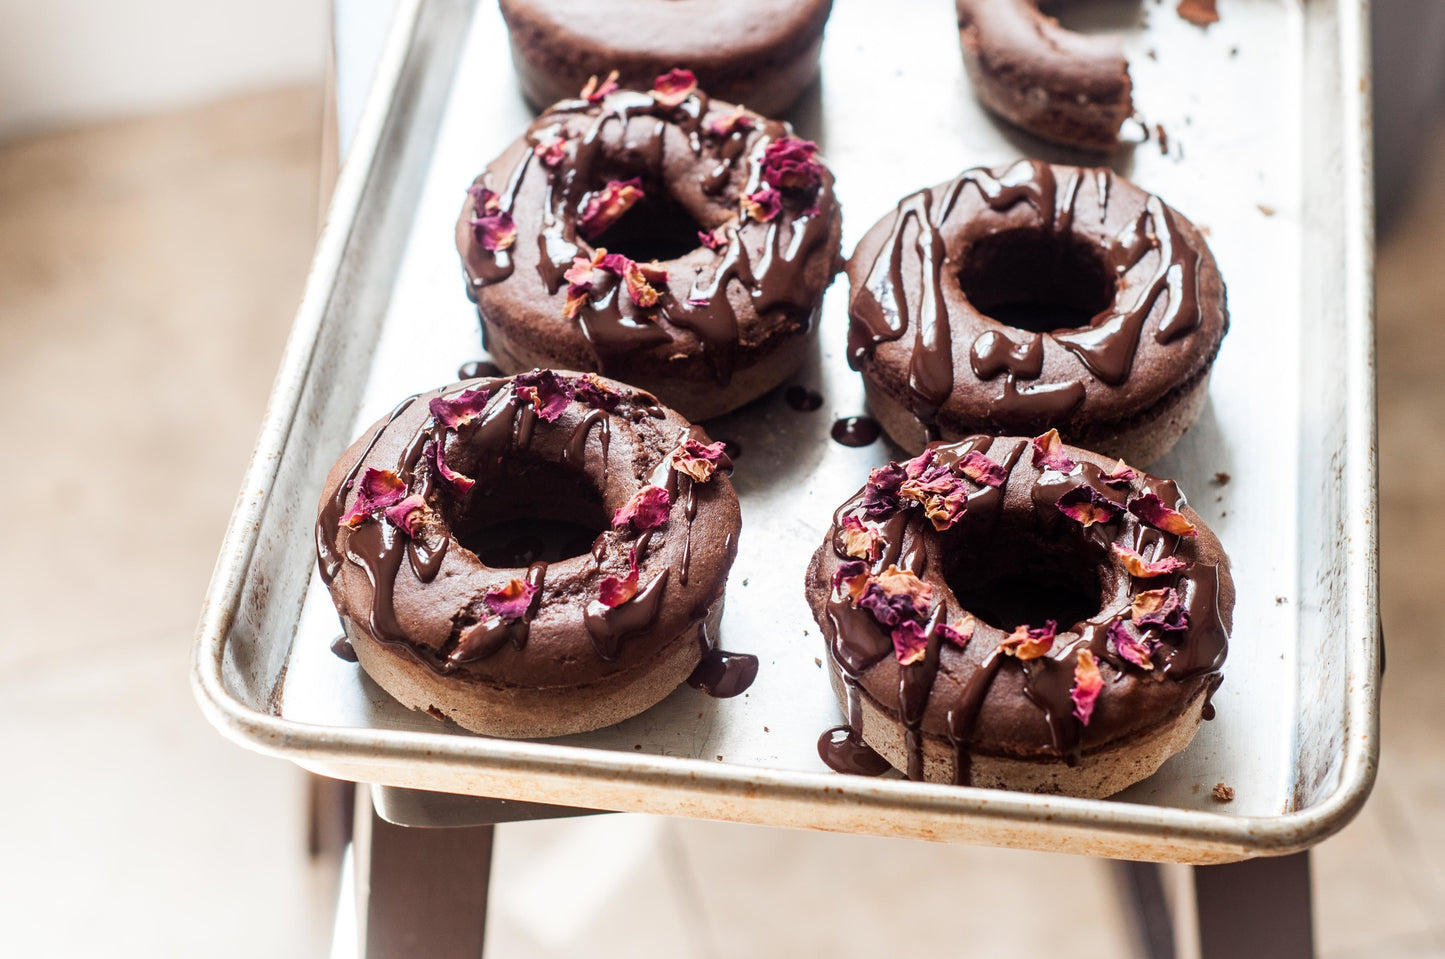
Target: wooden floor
[148, 273]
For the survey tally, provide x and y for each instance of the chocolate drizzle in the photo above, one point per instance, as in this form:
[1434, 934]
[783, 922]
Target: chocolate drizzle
[882, 311]
[694, 300]
[858, 643]
[721, 674]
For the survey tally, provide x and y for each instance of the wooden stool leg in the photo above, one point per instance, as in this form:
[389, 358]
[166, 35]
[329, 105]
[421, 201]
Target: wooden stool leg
[1260, 907]
[329, 807]
[419, 892]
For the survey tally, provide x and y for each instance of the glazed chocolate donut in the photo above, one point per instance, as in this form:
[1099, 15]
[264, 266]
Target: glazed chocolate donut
[677, 243]
[529, 638]
[1064, 86]
[760, 52]
[1019, 614]
[1039, 296]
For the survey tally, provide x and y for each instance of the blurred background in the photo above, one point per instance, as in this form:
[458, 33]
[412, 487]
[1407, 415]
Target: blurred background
[163, 168]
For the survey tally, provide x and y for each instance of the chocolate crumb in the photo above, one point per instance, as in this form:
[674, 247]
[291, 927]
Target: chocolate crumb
[817, 662]
[1221, 478]
[1223, 793]
[1266, 210]
[720, 757]
[1234, 51]
[1163, 136]
[1151, 53]
[638, 746]
[766, 729]
[1201, 13]
[1281, 600]
[745, 581]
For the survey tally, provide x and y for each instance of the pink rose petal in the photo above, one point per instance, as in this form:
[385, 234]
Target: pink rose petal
[673, 87]
[1160, 607]
[960, 633]
[1088, 684]
[764, 205]
[789, 164]
[1131, 645]
[1151, 509]
[1030, 643]
[511, 601]
[613, 592]
[595, 90]
[981, 469]
[1088, 506]
[1140, 569]
[860, 539]
[1049, 453]
[548, 393]
[700, 460]
[597, 394]
[408, 514]
[910, 642]
[607, 205]
[458, 482]
[458, 409]
[378, 489]
[647, 509]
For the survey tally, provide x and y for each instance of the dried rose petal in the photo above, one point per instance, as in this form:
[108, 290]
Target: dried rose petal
[673, 87]
[1160, 607]
[1049, 452]
[612, 592]
[552, 152]
[699, 460]
[408, 514]
[940, 492]
[378, 489]
[1140, 569]
[495, 232]
[638, 277]
[606, 206]
[910, 642]
[1121, 475]
[737, 121]
[594, 91]
[981, 469]
[919, 465]
[1030, 643]
[458, 482]
[960, 633]
[1088, 506]
[1151, 509]
[715, 240]
[880, 495]
[484, 201]
[582, 274]
[1131, 645]
[597, 394]
[510, 601]
[763, 205]
[548, 393]
[860, 540]
[1088, 684]
[901, 584]
[647, 509]
[853, 578]
[789, 164]
[458, 409]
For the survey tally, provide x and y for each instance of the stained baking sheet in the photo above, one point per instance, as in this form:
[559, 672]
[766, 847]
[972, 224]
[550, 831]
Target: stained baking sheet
[1266, 148]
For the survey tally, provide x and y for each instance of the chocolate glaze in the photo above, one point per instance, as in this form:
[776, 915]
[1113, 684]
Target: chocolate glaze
[1087, 382]
[341, 646]
[424, 597]
[842, 748]
[473, 369]
[996, 704]
[856, 430]
[721, 308]
[722, 674]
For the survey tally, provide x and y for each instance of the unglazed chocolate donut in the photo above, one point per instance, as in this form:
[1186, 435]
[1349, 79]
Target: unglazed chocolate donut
[1064, 86]
[760, 52]
[1036, 244]
[671, 241]
[1019, 614]
[521, 646]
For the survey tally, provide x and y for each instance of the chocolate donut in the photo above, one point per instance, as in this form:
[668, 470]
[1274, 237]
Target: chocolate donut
[760, 52]
[529, 638]
[1037, 296]
[1061, 85]
[1019, 614]
[671, 241]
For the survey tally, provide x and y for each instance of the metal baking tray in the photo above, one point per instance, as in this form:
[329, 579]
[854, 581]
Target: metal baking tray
[1268, 149]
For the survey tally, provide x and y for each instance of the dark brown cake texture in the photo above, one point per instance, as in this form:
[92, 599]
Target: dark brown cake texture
[1061, 85]
[663, 238]
[1032, 297]
[763, 53]
[1019, 614]
[431, 539]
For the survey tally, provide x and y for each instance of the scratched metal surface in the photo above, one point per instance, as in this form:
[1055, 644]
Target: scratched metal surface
[1266, 146]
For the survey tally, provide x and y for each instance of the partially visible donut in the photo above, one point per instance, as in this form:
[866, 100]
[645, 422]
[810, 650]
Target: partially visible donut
[1024, 242]
[662, 238]
[529, 648]
[1061, 85]
[763, 53]
[1019, 614]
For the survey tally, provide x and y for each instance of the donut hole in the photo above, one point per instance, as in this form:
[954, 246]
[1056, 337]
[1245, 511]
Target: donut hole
[1019, 576]
[531, 510]
[655, 228]
[1036, 281]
